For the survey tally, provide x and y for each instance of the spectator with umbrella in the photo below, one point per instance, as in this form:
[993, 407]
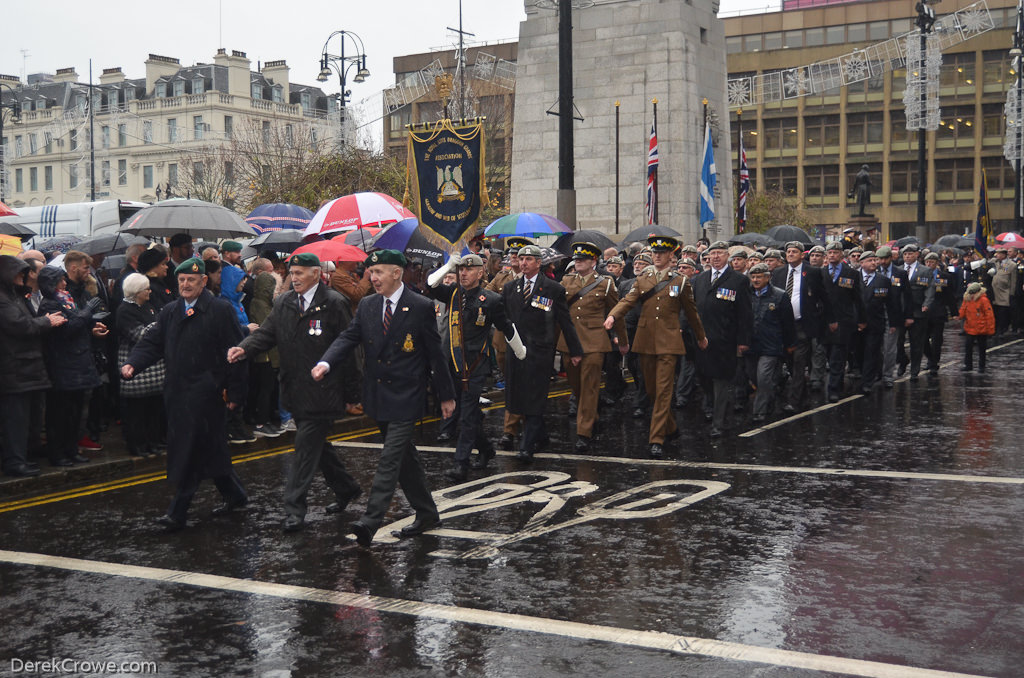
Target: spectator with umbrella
[142, 407]
[21, 363]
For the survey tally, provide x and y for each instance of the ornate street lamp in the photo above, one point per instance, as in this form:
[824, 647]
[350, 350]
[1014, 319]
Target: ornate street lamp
[921, 98]
[15, 110]
[341, 64]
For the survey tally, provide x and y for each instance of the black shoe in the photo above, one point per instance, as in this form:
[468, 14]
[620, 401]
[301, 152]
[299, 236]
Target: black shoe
[901, 371]
[678, 403]
[241, 437]
[833, 397]
[656, 451]
[788, 409]
[571, 412]
[966, 368]
[708, 415]
[22, 471]
[981, 369]
[362, 533]
[887, 384]
[607, 400]
[418, 527]
[170, 524]
[639, 413]
[524, 455]
[444, 437]
[715, 432]
[293, 524]
[344, 501]
[61, 462]
[483, 457]
[79, 459]
[457, 472]
[507, 441]
[757, 418]
[582, 444]
[229, 506]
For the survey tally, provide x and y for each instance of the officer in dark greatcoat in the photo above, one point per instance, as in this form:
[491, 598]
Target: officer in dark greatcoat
[193, 334]
[303, 323]
[537, 306]
[471, 312]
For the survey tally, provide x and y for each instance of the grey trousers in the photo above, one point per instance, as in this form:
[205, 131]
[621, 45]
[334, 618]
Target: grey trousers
[719, 395]
[399, 465]
[889, 352]
[764, 370]
[819, 355]
[801, 362]
[312, 451]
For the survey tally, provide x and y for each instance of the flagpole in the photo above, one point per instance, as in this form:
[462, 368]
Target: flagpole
[655, 102]
[740, 219]
[703, 228]
[616, 167]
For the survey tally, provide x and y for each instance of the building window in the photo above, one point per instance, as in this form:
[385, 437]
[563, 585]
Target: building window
[903, 177]
[122, 172]
[754, 43]
[197, 127]
[161, 90]
[856, 32]
[198, 173]
[33, 145]
[105, 136]
[105, 176]
[48, 177]
[229, 173]
[992, 120]
[289, 136]
[229, 126]
[197, 85]
[772, 40]
[821, 181]
[996, 69]
[266, 132]
[19, 181]
[780, 133]
[122, 135]
[957, 70]
[954, 177]
[793, 39]
[277, 93]
[820, 131]
[147, 176]
[878, 30]
[307, 103]
[864, 128]
[33, 178]
[814, 37]
[179, 87]
[172, 130]
[835, 35]
[19, 148]
[898, 132]
[26, 106]
[998, 172]
[780, 179]
[172, 174]
[82, 102]
[257, 91]
[73, 176]
[957, 123]
[147, 131]
[47, 142]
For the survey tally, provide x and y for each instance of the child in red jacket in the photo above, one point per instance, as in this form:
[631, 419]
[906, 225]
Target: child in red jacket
[979, 323]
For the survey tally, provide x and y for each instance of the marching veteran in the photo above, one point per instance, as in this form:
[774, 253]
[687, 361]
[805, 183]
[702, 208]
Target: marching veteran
[303, 323]
[659, 339]
[471, 311]
[398, 332]
[591, 297]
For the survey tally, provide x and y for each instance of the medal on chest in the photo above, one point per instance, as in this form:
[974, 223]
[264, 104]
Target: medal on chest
[315, 329]
[481, 319]
[407, 345]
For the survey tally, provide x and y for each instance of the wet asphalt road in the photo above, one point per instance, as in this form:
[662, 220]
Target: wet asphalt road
[887, 529]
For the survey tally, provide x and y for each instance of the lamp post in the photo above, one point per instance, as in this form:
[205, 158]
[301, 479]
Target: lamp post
[12, 105]
[1013, 145]
[341, 64]
[921, 99]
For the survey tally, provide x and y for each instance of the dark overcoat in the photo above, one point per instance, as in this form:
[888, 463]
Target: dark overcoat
[289, 329]
[539, 319]
[900, 286]
[844, 304]
[198, 376]
[728, 318]
[881, 304]
[21, 346]
[398, 365]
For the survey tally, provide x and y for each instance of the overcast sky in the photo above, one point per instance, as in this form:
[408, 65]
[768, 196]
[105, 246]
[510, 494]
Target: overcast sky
[62, 33]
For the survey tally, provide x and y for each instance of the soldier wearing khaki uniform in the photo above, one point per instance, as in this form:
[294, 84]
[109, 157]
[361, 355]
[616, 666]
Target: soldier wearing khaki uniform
[513, 422]
[659, 340]
[591, 297]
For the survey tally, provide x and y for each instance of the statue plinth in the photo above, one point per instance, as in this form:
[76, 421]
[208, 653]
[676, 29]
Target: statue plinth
[864, 224]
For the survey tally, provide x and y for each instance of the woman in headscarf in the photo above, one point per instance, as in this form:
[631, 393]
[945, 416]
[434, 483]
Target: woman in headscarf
[142, 403]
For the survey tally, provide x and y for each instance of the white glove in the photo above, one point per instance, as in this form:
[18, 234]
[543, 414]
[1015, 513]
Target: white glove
[516, 344]
[992, 272]
[975, 265]
[435, 278]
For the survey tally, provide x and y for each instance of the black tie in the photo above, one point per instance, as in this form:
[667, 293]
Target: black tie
[302, 304]
[387, 316]
[789, 282]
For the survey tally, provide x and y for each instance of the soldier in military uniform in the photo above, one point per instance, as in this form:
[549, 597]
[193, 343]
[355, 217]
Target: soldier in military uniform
[590, 298]
[536, 304]
[513, 422]
[470, 313]
[659, 341]
[640, 400]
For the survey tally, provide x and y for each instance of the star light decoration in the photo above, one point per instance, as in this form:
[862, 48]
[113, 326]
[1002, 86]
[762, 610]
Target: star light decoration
[796, 82]
[856, 68]
[739, 91]
[974, 20]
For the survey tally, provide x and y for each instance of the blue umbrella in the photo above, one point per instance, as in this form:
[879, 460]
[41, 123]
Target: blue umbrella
[278, 216]
[405, 236]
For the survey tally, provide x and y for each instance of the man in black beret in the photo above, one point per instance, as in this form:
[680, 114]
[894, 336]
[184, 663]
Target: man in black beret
[179, 249]
[193, 335]
[303, 323]
[398, 332]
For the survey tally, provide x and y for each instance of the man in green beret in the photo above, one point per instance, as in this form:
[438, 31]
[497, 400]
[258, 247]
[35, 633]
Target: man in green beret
[303, 323]
[193, 334]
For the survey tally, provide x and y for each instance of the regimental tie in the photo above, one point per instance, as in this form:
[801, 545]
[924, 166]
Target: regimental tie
[527, 289]
[302, 304]
[789, 282]
[387, 316]
[715, 276]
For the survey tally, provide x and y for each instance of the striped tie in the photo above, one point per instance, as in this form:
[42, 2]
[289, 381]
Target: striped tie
[789, 282]
[527, 289]
[387, 316]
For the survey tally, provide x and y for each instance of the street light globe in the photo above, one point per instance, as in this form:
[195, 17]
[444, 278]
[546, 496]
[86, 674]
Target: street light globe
[363, 74]
[324, 75]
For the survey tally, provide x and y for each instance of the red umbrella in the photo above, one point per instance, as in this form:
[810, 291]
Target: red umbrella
[1011, 240]
[359, 209]
[6, 211]
[332, 250]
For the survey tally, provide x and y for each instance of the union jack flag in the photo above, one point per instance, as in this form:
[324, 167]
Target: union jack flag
[652, 177]
[741, 208]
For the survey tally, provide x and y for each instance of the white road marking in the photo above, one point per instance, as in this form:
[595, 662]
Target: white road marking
[675, 463]
[802, 415]
[650, 640]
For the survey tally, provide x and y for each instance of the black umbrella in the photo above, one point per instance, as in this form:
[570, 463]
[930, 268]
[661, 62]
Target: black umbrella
[110, 243]
[23, 232]
[954, 240]
[564, 242]
[285, 240]
[751, 239]
[59, 245]
[644, 232]
[907, 240]
[784, 233]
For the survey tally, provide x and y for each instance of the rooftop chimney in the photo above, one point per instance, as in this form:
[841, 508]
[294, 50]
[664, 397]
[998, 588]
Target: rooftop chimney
[66, 75]
[111, 75]
[157, 67]
[277, 73]
[238, 71]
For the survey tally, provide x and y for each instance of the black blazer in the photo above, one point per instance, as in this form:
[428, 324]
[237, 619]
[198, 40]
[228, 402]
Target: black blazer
[844, 303]
[881, 303]
[901, 284]
[397, 365]
[728, 318]
[812, 294]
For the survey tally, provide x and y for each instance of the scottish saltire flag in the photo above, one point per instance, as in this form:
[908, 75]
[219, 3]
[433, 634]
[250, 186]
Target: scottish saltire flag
[741, 205]
[652, 176]
[708, 179]
[983, 228]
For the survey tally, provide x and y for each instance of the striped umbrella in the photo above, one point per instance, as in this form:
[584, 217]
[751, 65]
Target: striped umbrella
[359, 209]
[525, 224]
[277, 216]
